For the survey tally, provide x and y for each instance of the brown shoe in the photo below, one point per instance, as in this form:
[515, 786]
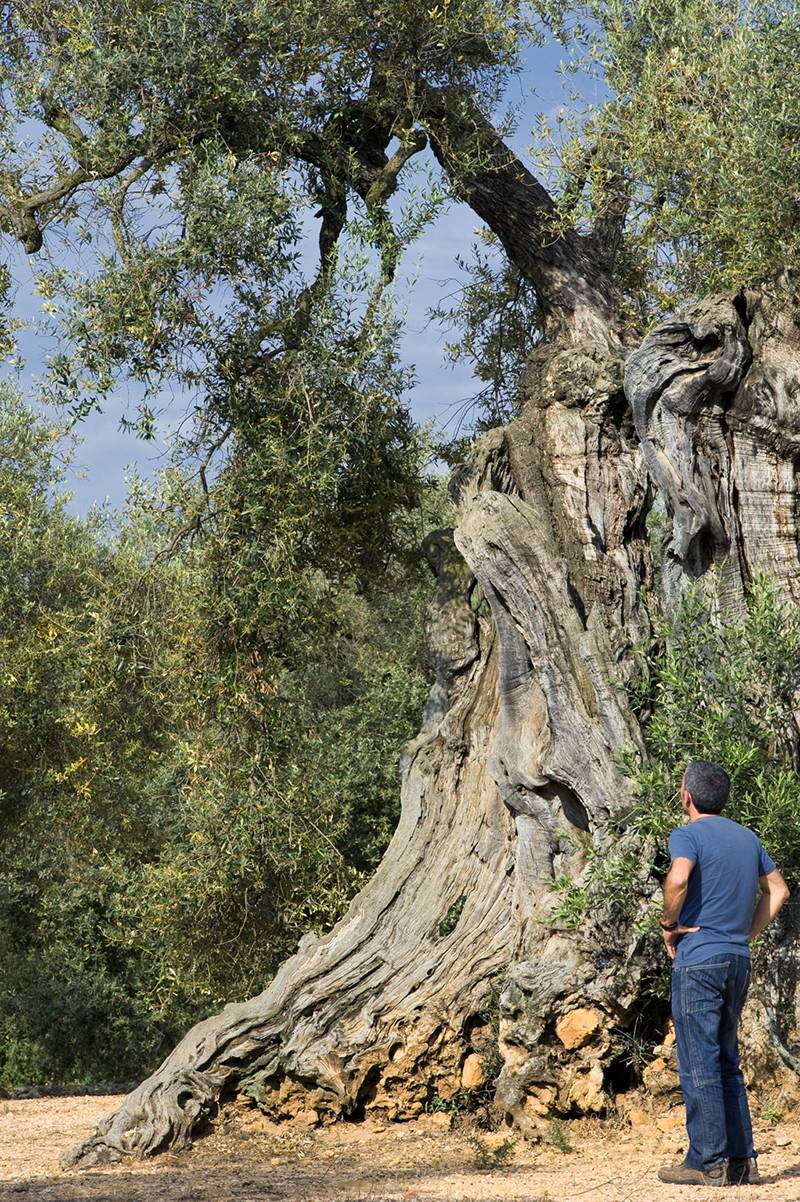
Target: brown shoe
[681, 1174]
[744, 1172]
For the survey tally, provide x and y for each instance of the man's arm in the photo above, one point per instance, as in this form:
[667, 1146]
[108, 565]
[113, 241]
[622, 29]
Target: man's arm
[675, 888]
[774, 892]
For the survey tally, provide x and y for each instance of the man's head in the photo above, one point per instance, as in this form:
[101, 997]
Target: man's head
[706, 785]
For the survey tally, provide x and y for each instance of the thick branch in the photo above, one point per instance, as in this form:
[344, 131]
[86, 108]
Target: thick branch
[25, 211]
[569, 276]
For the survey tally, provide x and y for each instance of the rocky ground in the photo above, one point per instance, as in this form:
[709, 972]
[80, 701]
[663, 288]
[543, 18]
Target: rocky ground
[247, 1159]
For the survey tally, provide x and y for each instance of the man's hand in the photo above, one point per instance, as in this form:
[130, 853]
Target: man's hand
[671, 938]
[676, 887]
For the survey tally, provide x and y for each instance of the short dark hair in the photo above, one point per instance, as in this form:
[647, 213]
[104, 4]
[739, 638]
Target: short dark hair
[709, 785]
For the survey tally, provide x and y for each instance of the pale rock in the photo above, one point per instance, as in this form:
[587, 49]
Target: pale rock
[472, 1074]
[440, 1119]
[586, 1092]
[667, 1047]
[447, 1086]
[578, 1027]
[660, 1078]
[638, 1117]
[539, 1101]
[513, 1055]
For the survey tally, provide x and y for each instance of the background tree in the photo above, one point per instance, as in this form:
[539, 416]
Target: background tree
[286, 536]
[178, 806]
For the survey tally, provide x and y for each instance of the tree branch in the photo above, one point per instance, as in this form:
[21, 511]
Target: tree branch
[117, 206]
[384, 183]
[570, 276]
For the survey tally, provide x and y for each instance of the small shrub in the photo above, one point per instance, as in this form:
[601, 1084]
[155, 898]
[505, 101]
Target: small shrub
[558, 1136]
[486, 1157]
[713, 689]
[771, 1113]
[463, 1101]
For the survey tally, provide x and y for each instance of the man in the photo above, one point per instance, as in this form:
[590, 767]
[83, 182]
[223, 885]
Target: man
[710, 916]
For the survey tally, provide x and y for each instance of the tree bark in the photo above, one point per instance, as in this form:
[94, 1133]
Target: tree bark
[713, 395]
[515, 772]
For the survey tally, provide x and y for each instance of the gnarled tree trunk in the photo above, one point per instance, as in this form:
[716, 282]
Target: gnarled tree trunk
[531, 642]
[534, 634]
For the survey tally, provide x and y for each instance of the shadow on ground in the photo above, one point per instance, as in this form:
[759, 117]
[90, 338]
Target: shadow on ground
[223, 1185]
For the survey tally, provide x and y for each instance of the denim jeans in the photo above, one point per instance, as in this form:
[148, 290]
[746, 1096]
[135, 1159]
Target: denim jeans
[707, 1000]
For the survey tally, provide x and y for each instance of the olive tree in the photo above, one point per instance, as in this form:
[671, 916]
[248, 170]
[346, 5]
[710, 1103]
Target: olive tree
[640, 384]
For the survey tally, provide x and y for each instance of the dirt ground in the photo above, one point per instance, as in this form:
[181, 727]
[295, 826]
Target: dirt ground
[247, 1159]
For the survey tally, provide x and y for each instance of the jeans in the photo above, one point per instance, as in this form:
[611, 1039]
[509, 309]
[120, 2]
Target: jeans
[707, 1000]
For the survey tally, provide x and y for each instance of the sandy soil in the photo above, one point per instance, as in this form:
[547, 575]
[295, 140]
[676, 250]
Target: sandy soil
[247, 1159]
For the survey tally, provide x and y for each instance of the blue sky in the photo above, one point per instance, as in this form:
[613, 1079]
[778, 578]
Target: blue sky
[107, 451]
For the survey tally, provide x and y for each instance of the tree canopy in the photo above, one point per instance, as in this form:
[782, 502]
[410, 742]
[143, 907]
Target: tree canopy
[123, 119]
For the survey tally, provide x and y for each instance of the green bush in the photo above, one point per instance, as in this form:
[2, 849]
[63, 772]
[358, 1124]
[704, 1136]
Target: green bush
[183, 794]
[719, 688]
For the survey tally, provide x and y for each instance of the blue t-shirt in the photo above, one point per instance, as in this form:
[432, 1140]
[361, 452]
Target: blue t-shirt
[728, 860]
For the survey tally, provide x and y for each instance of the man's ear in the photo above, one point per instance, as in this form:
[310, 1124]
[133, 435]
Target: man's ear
[686, 797]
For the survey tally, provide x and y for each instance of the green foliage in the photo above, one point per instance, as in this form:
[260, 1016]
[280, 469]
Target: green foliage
[463, 1101]
[771, 1113]
[697, 127]
[450, 920]
[202, 139]
[711, 137]
[683, 115]
[219, 744]
[633, 1049]
[85, 722]
[486, 1157]
[490, 1007]
[716, 688]
[723, 690]
[558, 1136]
[612, 877]
[574, 899]
[187, 787]
[186, 150]
[496, 317]
[694, 135]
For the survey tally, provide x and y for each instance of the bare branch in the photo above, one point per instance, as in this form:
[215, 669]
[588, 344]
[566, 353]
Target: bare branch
[193, 527]
[117, 206]
[212, 450]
